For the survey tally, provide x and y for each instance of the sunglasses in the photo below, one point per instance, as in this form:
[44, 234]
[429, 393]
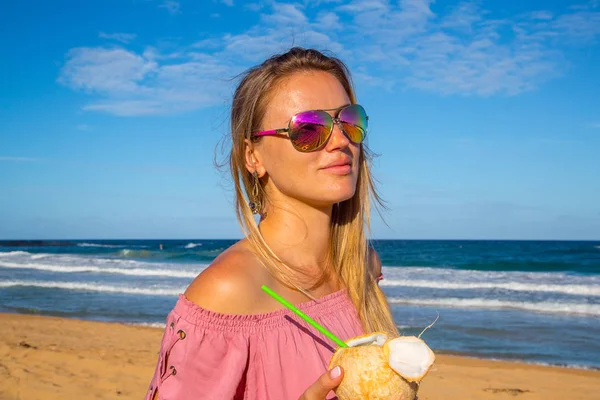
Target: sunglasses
[310, 130]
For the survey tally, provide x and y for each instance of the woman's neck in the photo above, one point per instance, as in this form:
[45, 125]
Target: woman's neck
[299, 234]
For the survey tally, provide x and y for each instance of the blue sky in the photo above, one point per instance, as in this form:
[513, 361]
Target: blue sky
[486, 115]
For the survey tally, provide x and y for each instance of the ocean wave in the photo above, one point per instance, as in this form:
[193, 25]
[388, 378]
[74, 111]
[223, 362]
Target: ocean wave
[519, 360]
[102, 270]
[14, 253]
[543, 306]
[452, 275]
[64, 258]
[111, 246]
[559, 365]
[555, 264]
[192, 245]
[135, 253]
[580, 290]
[90, 287]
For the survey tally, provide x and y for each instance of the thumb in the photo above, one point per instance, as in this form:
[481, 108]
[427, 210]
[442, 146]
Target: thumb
[326, 383]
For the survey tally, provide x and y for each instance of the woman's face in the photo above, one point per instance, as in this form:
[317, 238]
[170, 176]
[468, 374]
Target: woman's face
[307, 177]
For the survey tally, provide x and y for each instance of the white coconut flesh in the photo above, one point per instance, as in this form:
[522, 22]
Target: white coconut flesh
[409, 357]
[377, 339]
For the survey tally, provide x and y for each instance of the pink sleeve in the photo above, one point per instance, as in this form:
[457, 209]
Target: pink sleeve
[198, 363]
[380, 277]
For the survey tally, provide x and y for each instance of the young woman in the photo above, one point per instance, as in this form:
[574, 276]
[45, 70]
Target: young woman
[298, 155]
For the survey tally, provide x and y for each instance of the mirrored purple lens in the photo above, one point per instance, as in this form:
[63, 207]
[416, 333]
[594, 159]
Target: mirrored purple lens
[354, 122]
[310, 130]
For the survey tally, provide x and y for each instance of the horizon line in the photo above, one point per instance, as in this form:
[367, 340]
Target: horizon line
[233, 239]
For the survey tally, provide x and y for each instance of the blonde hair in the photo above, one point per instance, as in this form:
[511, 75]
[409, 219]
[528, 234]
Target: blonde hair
[349, 253]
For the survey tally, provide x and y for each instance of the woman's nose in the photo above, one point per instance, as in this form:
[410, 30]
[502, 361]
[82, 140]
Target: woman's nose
[338, 138]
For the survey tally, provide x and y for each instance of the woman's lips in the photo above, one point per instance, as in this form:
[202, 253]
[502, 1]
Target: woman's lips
[344, 169]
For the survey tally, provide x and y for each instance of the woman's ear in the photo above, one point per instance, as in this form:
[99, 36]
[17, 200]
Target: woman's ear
[253, 159]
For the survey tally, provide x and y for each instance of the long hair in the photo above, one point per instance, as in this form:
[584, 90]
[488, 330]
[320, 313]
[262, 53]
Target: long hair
[349, 252]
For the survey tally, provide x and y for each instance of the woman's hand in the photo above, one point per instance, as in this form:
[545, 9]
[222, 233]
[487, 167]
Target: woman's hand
[326, 382]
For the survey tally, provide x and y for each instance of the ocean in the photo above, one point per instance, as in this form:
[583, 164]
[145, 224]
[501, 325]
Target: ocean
[532, 301]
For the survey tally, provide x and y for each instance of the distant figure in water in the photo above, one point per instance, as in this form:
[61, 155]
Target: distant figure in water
[160, 246]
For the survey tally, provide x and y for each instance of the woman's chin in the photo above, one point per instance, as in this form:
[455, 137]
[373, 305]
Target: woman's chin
[344, 192]
[331, 197]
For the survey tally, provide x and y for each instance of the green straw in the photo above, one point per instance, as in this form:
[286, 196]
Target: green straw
[304, 317]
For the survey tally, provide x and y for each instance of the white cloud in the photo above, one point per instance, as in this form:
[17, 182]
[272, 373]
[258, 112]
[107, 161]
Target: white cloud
[82, 127]
[463, 17]
[174, 7]
[285, 15]
[379, 23]
[542, 15]
[581, 25]
[127, 83]
[120, 37]
[285, 27]
[315, 3]
[444, 63]
[360, 6]
[106, 70]
[228, 3]
[591, 4]
[207, 43]
[329, 20]
[132, 84]
[460, 51]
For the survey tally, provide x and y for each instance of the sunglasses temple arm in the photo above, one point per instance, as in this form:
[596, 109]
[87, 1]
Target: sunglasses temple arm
[271, 132]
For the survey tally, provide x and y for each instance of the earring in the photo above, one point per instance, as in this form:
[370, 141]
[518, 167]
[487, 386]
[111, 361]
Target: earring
[255, 205]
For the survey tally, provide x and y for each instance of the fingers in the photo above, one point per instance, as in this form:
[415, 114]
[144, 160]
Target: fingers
[326, 383]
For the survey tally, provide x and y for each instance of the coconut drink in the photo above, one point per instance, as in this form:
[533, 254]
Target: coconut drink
[377, 367]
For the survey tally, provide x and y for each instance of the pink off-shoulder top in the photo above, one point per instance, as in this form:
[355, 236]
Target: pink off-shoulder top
[271, 356]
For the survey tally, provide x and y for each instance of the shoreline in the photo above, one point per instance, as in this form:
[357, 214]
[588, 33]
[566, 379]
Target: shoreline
[515, 361]
[56, 357]
[161, 326]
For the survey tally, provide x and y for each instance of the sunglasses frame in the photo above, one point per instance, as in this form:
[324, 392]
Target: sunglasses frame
[336, 120]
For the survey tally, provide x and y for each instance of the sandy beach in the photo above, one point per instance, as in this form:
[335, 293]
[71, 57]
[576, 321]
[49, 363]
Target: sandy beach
[57, 358]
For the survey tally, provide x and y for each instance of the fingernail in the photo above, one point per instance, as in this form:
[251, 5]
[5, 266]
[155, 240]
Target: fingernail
[334, 373]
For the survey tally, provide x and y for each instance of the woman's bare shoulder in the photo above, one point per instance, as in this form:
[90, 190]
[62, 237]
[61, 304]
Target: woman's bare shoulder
[231, 284]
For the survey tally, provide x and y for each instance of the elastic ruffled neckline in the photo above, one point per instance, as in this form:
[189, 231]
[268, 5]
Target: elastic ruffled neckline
[208, 319]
